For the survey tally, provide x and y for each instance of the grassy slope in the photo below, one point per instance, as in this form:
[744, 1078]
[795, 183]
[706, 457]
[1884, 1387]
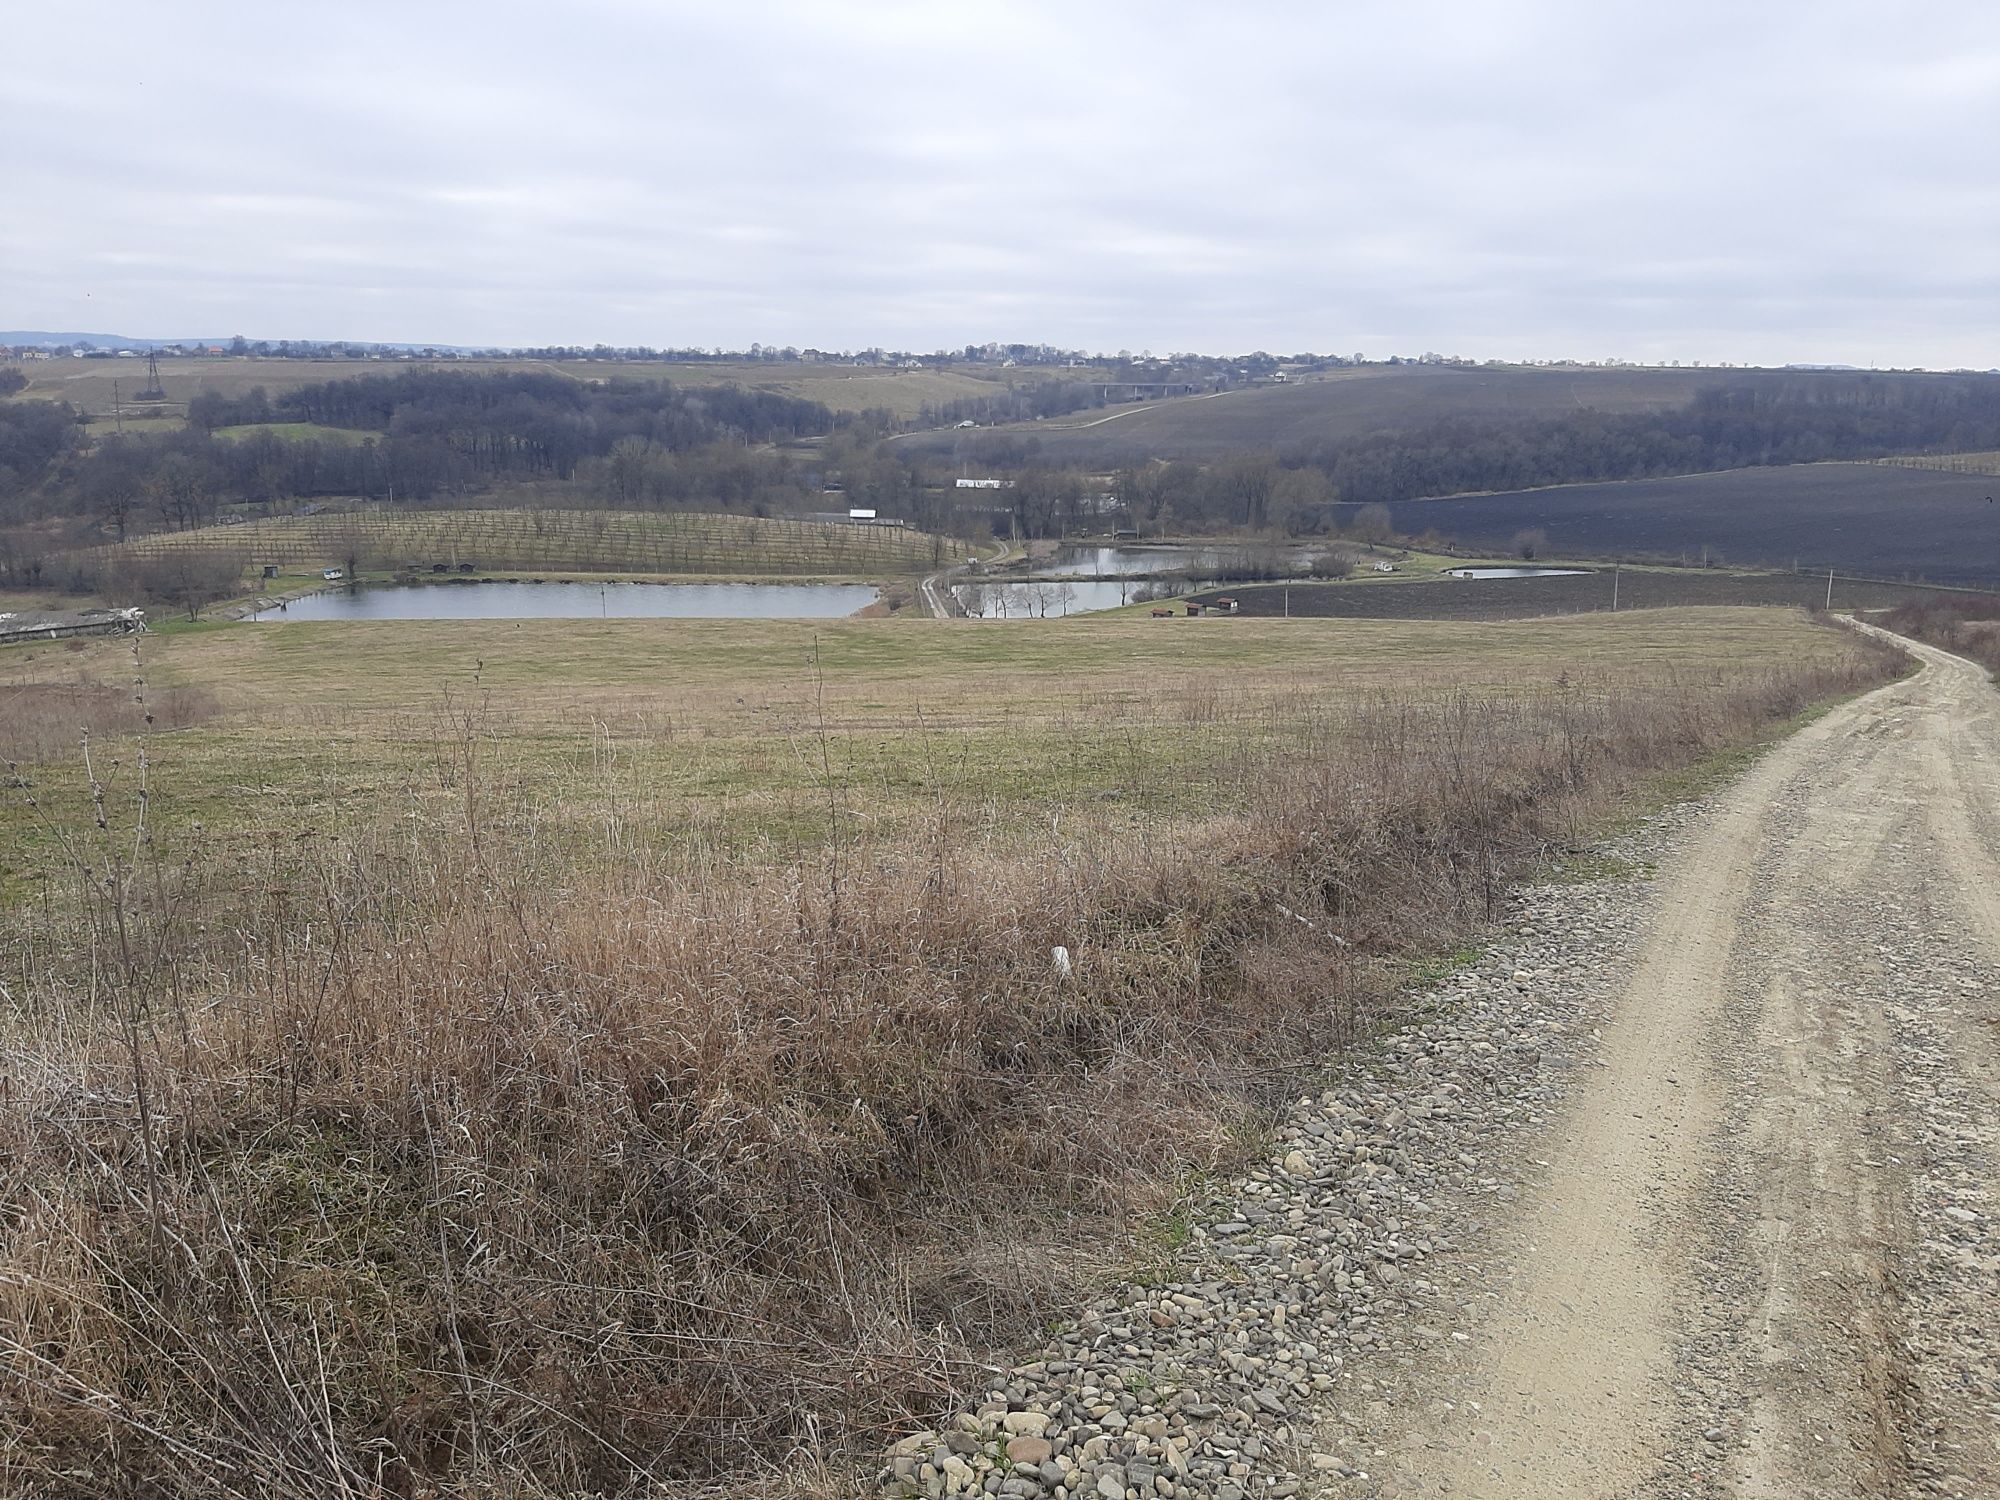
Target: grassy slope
[716, 726]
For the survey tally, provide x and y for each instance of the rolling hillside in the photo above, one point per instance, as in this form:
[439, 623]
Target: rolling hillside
[1351, 403]
[1345, 403]
[1877, 519]
[88, 383]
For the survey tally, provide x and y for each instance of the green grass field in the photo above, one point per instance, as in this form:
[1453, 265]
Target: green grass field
[734, 732]
[296, 432]
[705, 971]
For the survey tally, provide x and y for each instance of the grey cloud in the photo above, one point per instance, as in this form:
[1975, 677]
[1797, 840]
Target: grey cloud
[1786, 181]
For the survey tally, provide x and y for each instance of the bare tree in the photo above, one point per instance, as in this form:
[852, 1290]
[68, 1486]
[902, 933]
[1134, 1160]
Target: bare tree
[1371, 524]
[189, 578]
[1530, 543]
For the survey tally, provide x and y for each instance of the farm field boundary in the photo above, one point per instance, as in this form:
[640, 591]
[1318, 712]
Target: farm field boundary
[1946, 463]
[1581, 593]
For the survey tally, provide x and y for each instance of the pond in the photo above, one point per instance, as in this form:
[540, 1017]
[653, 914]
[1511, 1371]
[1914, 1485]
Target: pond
[1517, 572]
[1086, 562]
[581, 601]
[1026, 601]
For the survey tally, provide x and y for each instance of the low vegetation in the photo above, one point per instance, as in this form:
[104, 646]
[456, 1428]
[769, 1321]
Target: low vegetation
[516, 1123]
[1969, 626]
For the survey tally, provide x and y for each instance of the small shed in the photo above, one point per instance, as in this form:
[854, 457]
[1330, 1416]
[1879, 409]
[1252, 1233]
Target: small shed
[60, 624]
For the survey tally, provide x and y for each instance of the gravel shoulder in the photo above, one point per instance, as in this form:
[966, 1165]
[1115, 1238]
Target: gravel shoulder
[1685, 1187]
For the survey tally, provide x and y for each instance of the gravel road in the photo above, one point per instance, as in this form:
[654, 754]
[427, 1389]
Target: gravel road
[1685, 1188]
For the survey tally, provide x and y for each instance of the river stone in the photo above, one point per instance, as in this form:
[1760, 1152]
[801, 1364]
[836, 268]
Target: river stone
[1027, 1449]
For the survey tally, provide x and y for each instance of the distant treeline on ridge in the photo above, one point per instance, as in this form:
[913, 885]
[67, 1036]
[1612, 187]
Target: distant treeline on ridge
[1741, 425]
[420, 434]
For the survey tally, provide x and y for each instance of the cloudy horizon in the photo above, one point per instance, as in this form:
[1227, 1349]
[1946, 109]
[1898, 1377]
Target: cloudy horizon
[1541, 180]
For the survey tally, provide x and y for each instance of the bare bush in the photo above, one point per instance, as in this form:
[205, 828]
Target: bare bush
[185, 578]
[1530, 543]
[1968, 625]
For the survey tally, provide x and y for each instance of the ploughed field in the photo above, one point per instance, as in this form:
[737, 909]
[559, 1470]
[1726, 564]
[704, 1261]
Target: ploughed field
[1877, 519]
[1577, 593]
[1344, 404]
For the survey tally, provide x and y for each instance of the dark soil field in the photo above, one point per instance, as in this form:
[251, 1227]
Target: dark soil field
[1525, 598]
[1875, 519]
[1344, 404]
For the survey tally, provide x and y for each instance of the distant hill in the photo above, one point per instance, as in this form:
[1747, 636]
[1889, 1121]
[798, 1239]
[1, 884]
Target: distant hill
[39, 338]
[36, 338]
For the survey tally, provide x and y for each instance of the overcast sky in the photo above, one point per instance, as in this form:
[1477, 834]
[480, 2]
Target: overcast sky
[1769, 182]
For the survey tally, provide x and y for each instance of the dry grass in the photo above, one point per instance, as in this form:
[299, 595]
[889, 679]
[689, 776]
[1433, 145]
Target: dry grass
[438, 1160]
[710, 729]
[42, 720]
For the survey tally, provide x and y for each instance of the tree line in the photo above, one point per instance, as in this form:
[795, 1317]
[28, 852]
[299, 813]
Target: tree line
[1741, 425]
[425, 435]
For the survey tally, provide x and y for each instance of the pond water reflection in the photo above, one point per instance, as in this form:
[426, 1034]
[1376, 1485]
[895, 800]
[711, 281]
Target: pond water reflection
[581, 601]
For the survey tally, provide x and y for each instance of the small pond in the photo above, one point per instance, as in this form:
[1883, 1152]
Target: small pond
[581, 601]
[1027, 601]
[1517, 572]
[1101, 562]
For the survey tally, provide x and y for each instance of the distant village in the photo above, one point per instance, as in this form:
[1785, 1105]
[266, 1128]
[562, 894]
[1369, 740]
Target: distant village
[1185, 369]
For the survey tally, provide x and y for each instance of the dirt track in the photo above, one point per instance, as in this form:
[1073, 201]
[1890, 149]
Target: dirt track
[1757, 1254]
